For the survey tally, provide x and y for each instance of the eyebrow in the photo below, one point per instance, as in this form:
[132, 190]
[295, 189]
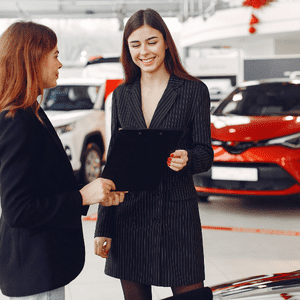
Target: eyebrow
[153, 37]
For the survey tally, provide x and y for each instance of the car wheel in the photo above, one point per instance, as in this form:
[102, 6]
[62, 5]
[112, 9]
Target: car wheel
[91, 165]
[203, 198]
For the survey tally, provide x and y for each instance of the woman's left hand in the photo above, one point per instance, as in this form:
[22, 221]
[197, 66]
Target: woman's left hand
[178, 160]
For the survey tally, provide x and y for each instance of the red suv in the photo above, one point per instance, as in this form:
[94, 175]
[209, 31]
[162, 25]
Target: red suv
[256, 142]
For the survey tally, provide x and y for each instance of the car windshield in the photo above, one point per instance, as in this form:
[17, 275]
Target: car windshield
[70, 97]
[267, 99]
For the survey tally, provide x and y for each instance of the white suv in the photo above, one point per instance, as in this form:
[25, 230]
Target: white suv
[75, 107]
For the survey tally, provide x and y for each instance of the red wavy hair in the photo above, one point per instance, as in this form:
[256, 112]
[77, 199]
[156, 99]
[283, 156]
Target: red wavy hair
[23, 46]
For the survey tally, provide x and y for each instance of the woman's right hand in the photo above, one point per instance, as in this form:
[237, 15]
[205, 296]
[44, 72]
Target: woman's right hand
[101, 190]
[102, 246]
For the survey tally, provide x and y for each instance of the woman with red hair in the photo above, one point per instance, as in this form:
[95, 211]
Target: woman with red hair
[41, 245]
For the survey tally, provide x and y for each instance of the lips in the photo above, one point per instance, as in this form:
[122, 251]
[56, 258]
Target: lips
[148, 60]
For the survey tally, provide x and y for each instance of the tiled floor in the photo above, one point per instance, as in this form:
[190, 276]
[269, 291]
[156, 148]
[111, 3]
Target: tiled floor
[229, 255]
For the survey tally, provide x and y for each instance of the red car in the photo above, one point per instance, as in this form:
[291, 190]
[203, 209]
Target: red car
[256, 142]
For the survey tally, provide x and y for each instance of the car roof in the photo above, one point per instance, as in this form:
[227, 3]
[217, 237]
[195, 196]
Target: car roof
[99, 60]
[80, 81]
[269, 80]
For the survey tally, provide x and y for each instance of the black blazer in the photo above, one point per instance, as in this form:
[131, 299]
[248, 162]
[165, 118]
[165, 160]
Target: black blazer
[41, 240]
[180, 98]
[148, 228]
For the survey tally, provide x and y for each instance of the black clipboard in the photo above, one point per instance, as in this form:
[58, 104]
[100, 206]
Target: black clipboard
[138, 158]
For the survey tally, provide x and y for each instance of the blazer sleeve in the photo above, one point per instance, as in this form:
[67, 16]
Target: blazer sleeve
[200, 155]
[22, 206]
[106, 215]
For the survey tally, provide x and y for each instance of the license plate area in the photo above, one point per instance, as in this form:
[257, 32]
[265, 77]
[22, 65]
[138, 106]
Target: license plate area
[235, 174]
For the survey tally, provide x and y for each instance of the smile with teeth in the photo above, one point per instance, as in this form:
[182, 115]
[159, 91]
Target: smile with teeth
[147, 60]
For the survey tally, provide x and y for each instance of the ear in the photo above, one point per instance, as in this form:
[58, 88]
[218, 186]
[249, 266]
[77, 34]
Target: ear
[166, 46]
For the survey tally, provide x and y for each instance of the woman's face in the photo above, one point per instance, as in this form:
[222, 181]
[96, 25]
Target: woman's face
[147, 49]
[50, 67]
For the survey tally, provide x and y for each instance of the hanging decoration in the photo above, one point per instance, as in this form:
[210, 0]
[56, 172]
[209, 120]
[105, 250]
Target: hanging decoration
[252, 29]
[253, 20]
[256, 4]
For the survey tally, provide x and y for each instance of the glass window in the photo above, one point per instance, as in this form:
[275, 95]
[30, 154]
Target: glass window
[70, 97]
[269, 99]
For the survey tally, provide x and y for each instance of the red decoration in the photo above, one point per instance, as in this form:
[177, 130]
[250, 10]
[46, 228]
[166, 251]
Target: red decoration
[254, 20]
[256, 4]
[252, 29]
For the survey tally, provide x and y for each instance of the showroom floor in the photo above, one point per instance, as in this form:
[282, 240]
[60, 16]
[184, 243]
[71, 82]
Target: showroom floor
[242, 237]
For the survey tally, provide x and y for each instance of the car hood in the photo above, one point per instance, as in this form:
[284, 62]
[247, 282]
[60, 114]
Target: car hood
[285, 285]
[60, 118]
[252, 128]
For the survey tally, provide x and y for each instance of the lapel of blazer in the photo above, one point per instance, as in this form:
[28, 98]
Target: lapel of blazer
[50, 130]
[167, 100]
[135, 102]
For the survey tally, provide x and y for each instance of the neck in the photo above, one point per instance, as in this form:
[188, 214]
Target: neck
[155, 78]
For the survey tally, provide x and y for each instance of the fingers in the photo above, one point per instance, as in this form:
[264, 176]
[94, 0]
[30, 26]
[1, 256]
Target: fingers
[99, 191]
[113, 198]
[102, 246]
[118, 197]
[178, 160]
[107, 185]
[110, 184]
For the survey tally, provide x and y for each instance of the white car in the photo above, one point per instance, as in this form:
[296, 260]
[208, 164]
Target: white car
[75, 108]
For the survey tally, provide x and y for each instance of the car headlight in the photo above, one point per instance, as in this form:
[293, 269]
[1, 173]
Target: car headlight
[216, 142]
[65, 128]
[291, 141]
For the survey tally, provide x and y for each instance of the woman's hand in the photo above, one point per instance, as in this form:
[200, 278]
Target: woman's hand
[100, 191]
[113, 198]
[102, 246]
[178, 160]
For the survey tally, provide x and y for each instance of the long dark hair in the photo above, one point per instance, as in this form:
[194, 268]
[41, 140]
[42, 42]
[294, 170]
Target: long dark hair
[172, 61]
[23, 46]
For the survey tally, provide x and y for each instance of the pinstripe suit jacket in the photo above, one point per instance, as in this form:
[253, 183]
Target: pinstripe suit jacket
[156, 236]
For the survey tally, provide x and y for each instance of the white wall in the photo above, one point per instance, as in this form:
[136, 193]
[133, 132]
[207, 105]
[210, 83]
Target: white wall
[229, 28]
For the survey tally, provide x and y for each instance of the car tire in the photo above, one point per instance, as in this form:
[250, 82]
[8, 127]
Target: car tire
[91, 163]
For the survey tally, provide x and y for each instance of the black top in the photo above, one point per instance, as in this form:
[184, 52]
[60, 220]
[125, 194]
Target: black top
[41, 240]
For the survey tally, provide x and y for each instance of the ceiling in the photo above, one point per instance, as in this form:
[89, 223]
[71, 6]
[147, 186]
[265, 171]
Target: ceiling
[120, 9]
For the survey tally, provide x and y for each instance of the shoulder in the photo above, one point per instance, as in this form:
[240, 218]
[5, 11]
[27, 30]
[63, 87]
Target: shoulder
[197, 83]
[23, 122]
[187, 83]
[120, 89]
[193, 89]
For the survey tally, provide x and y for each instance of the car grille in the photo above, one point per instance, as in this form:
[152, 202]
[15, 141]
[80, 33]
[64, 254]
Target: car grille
[238, 147]
[271, 177]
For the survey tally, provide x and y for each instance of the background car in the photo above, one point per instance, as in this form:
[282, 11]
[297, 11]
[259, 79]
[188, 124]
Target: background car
[270, 286]
[218, 88]
[75, 108]
[256, 142]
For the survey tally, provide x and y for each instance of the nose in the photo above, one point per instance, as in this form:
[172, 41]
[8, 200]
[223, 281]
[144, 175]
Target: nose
[144, 49]
[60, 65]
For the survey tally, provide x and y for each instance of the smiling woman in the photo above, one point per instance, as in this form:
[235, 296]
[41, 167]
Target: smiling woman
[154, 237]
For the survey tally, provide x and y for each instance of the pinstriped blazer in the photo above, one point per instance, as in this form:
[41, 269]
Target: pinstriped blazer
[173, 207]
